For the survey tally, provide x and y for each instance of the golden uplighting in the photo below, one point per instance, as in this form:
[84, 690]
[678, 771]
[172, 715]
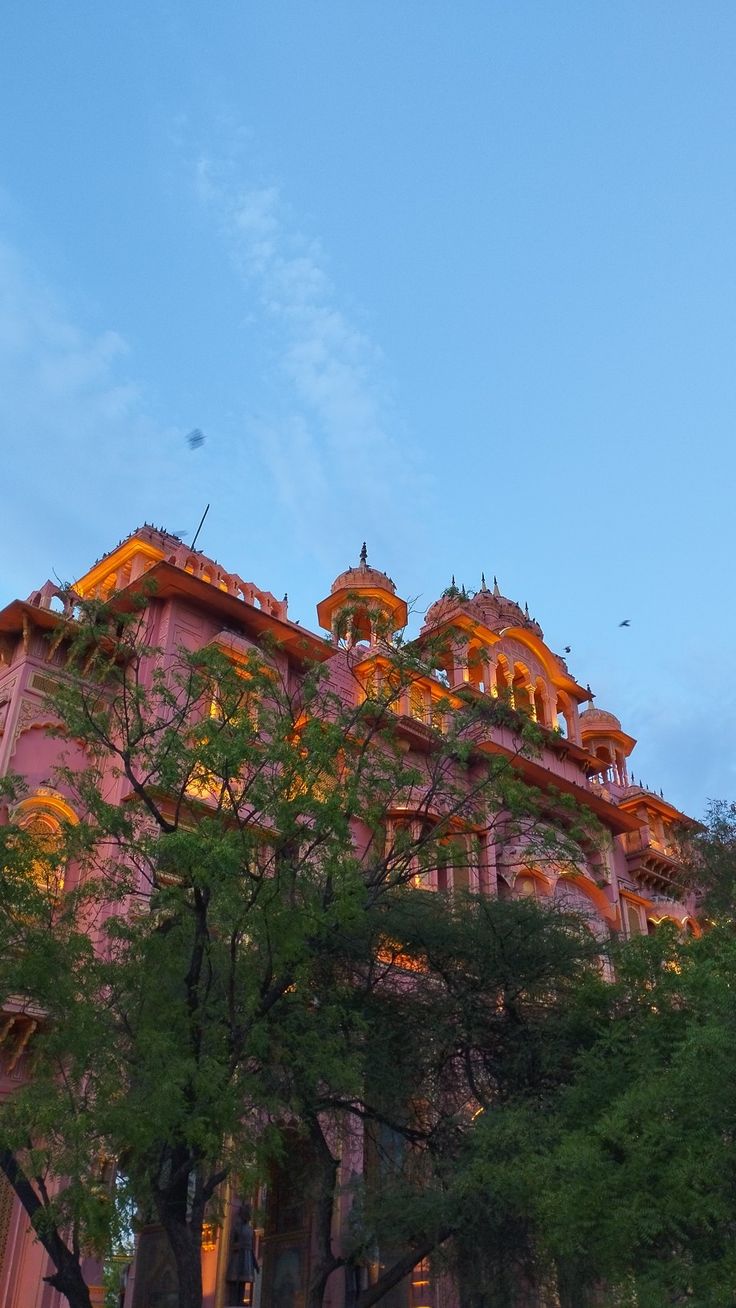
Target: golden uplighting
[209, 1236]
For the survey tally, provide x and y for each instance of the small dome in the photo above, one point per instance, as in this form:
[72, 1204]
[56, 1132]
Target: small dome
[598, 719]
[360, 577]
[365, 583]
[441, 609]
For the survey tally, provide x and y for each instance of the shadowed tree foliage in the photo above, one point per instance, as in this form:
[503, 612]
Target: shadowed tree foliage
[211, 948]
[636, 1193]
[710, 853]
[458, 1012]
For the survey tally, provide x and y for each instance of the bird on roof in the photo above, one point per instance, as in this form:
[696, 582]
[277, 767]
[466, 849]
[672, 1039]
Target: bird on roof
[195, 439]
[625, 623]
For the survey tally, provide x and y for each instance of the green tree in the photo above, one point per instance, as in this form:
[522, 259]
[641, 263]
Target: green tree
[523, 997]
[235, 865]
[710, 854]
[637, 1195]
[467, 1025]
[52, 1146]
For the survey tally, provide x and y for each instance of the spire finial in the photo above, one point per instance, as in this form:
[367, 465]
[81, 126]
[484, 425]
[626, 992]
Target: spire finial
[452, 583]
[496, 591]
[483, 581]
[526, 609]
[364, 556]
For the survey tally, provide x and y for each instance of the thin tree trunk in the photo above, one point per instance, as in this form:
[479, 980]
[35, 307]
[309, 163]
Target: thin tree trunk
[401, 1268]
[68, 1278]
[180, 1211]
[326, 1169]
[186, 1247]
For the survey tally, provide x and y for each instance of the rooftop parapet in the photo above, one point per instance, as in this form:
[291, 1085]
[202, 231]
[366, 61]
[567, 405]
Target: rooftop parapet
[149, 545]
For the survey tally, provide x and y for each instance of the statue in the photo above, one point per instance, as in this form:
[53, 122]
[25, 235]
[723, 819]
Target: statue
[242, 1264]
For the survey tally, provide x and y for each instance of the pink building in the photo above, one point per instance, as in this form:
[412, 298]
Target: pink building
[493, 648]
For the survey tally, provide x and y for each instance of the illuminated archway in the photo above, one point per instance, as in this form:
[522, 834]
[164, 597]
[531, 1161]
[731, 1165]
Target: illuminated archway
[43, 816]
[521, 687]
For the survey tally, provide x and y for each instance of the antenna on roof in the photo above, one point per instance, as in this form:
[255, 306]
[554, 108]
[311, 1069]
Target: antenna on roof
[199, 528]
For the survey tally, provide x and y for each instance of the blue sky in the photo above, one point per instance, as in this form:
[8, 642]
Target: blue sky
[459, 279]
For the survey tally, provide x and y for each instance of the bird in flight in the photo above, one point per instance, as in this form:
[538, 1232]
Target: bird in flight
[195, 439]
[568, 649]
[625, 623]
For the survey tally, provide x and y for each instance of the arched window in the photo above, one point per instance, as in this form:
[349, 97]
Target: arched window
[46, 836]
[41, 816]
[417, 706]
[634, 925]
[521, 688]
[526, 886]
[540, 703]
[571, 898]
[604, 754]
[503, 683]
[562, 710]
[476, 667]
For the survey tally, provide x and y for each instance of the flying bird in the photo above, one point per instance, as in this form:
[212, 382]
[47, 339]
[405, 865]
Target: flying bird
[195, 439]
[625, 623]
[568, 649]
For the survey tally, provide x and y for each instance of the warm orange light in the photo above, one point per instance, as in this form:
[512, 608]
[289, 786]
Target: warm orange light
[209, 1236]
[105, 573]
[392, 955]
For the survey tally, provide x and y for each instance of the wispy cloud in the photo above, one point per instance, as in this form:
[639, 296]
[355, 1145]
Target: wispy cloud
[335, 448]
[86, 457]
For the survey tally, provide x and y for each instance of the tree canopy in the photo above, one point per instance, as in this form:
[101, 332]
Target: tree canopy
[209, 945]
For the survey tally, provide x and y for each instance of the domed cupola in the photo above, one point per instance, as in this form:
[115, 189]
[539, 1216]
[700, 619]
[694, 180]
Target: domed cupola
[362, 604]
[495, 611]
[601, 734]
[453, 600]
[486, 606]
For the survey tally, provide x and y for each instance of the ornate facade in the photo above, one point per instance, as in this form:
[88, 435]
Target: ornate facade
[492, 648]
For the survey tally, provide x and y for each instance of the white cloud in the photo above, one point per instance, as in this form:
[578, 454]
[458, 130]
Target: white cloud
[335, 450]
[86, 459]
